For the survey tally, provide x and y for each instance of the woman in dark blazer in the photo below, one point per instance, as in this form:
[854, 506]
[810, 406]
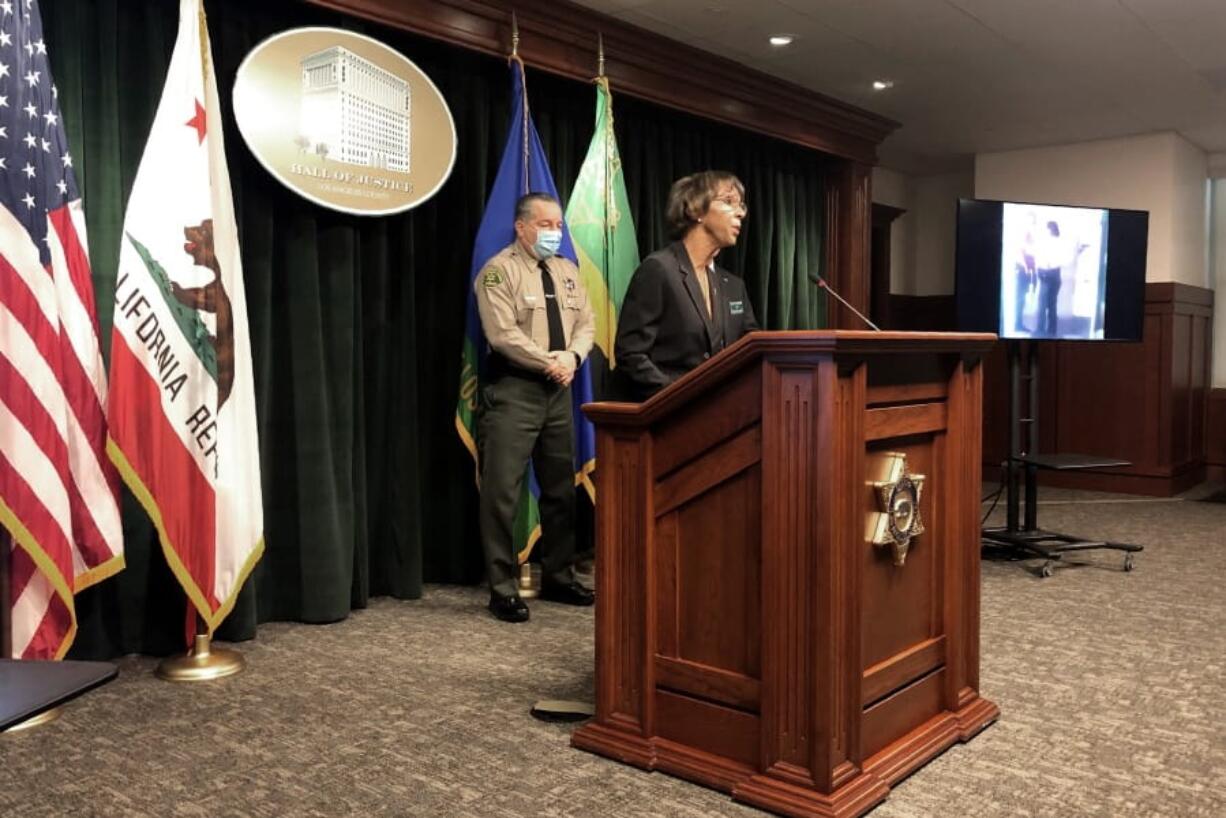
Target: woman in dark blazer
[680, 307]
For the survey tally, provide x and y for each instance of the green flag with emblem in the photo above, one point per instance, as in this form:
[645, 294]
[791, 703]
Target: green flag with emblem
[598, 217]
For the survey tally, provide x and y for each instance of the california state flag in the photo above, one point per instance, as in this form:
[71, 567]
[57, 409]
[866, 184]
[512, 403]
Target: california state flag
[181, 405]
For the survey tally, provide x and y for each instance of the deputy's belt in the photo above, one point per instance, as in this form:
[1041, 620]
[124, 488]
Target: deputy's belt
[497, 367]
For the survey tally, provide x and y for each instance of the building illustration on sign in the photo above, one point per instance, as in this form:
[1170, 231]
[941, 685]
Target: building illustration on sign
[353, 111]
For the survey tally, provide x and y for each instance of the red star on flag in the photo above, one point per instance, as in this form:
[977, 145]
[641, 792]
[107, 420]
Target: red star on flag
[198, 121]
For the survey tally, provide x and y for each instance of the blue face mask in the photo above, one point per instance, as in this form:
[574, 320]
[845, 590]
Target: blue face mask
[547, 243]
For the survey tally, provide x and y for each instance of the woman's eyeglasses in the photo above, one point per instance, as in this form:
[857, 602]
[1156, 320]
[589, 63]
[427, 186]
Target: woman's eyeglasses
[733, 204]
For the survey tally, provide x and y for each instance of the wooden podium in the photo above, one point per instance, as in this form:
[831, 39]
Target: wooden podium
[750, 635]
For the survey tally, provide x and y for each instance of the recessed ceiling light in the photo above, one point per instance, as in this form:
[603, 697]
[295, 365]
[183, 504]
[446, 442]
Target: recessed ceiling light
[882, 85]
[781, 40]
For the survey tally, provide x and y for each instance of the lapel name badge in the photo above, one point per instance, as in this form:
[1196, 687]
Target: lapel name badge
[736, 307]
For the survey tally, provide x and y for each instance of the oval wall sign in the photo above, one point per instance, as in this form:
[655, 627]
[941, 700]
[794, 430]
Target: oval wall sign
[344, 120]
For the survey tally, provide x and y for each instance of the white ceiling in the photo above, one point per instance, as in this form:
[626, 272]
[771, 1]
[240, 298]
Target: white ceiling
[978, 75]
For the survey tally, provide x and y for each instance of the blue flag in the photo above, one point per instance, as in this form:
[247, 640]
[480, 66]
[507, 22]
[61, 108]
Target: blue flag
[523, 170]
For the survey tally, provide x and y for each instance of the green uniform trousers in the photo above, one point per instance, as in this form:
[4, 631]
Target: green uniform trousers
[522, 418]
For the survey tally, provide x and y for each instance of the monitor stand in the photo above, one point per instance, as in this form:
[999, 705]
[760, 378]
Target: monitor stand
[1022, 538]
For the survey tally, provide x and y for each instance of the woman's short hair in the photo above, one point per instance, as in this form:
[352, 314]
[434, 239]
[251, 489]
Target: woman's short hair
[690, 197]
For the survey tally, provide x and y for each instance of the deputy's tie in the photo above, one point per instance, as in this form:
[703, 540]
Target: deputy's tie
[557, 337]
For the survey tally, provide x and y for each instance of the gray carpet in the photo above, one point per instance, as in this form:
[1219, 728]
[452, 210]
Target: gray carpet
[1111, 686]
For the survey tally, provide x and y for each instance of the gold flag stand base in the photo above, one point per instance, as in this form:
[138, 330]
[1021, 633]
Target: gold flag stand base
[529, 581]
[45, 717]
[562, 710]
[203, 664]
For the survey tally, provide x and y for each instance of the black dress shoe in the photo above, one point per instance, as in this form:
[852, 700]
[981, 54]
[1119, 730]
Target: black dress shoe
[570, 593]
[509, 608]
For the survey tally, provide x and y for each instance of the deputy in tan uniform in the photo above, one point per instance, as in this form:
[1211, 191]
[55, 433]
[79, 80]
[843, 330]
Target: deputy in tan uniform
[539, 326]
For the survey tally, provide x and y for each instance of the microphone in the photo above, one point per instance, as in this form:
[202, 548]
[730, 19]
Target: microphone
[821, 282]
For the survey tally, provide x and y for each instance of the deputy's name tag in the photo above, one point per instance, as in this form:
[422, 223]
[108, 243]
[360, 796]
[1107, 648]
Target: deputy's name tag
[736, 307]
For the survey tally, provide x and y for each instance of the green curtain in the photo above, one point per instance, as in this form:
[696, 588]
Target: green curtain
[356, 322]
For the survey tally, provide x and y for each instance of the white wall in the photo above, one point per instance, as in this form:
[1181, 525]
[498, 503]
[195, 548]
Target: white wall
[922, 240]
[936, 223]
[1162, 173]
[1217, 165]
[894, 189]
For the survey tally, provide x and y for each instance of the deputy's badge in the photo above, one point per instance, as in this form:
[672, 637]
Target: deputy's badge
[492, 278]
[570, 284]
[897, 519]
[736, 307]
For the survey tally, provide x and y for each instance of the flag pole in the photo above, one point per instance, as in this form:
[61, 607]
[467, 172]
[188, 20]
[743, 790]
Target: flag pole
[588, 566]
[214, 511]
[203, 663]
[568, 710]
[529, 584]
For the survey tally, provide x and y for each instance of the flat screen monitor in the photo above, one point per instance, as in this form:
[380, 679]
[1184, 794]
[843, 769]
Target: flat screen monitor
[1045, 271]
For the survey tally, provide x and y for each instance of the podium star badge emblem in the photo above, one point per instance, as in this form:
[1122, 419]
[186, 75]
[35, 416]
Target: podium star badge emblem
[897, 520]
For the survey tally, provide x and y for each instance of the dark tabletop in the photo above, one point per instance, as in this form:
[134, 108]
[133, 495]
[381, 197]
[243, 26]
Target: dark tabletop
[28, 688]
[1064, 462]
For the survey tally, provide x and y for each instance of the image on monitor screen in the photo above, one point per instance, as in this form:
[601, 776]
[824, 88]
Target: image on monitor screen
[1053, 263]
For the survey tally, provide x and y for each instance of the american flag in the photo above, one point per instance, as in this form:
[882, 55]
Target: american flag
[58, 490]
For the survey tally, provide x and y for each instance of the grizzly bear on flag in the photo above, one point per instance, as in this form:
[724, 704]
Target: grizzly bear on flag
[211, 298]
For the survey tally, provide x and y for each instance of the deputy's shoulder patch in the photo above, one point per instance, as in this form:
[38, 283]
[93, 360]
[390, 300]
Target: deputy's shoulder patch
[492, 277]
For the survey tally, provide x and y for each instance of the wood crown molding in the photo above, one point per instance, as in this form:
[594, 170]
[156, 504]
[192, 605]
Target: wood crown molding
[884, 215]
[1173, 292]
[560, 37]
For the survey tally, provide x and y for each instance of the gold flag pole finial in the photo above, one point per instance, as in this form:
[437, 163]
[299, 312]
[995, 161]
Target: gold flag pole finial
[514, 35]
[599, 54]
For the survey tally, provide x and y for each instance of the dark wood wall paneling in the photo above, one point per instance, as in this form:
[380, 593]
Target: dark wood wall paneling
[1148, 403]
[921, 313]
[883, 217]
[849, 203]
[1215, 436]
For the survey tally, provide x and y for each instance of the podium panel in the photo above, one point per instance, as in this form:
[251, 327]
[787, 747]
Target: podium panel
[788, 586]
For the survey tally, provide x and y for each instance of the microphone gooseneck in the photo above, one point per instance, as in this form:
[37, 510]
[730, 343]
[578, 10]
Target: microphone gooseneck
[821, 282]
